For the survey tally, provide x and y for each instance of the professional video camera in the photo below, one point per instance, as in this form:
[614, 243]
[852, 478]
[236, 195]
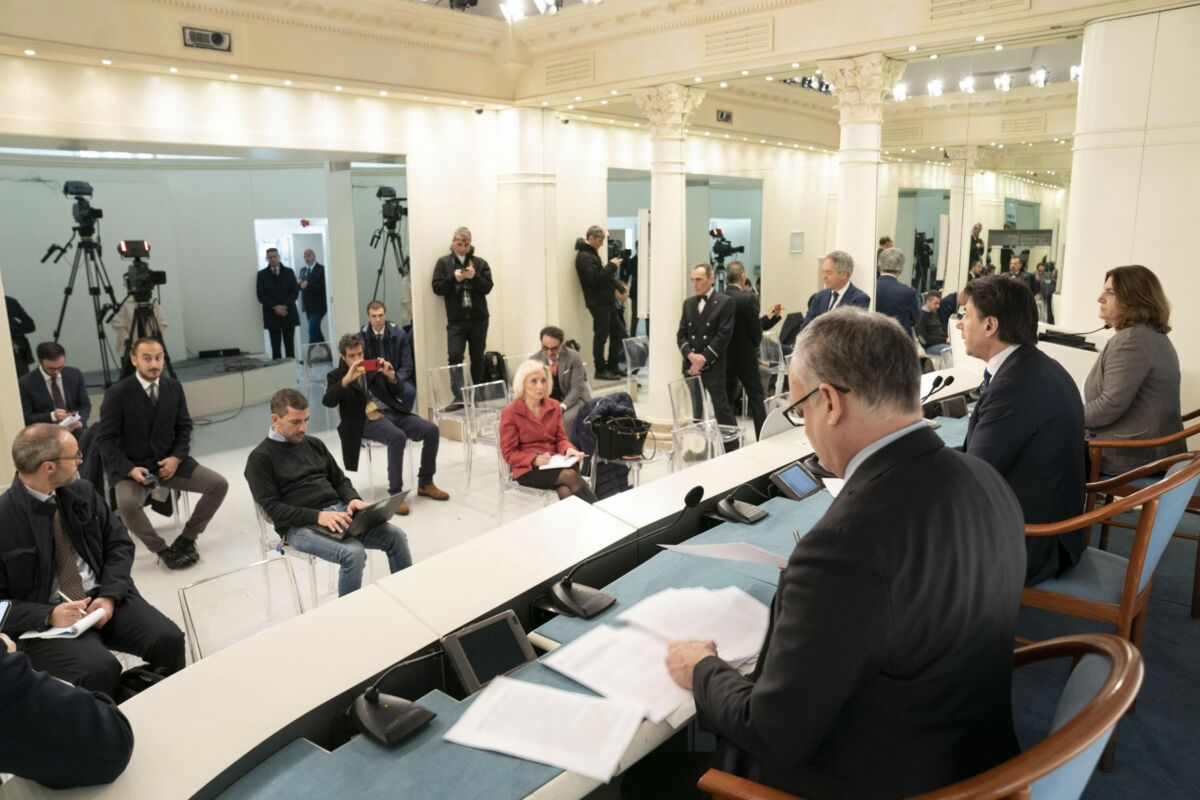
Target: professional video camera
[140, 280]
[722, 248]
[922, 246]
[85, 214]
[617, 249]
[393, 208]
[922, 265]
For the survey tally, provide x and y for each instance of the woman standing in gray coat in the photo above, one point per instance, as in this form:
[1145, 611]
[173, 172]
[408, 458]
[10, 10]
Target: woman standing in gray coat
[1132, 391]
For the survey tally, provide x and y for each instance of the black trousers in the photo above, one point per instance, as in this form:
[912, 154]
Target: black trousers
[461, 337]
[136, 627]
[607, 326]
[288, 337]
[714, 384]
[748, 376]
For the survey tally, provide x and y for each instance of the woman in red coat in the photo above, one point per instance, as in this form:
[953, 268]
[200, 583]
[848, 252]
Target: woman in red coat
[531, 432]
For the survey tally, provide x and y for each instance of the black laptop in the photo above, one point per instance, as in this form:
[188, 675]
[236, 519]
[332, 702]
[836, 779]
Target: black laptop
[373, 515]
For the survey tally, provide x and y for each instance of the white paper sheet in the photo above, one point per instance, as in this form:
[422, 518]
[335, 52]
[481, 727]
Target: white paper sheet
[730, 617]
[585, 735]
[833, 485]
[69, 632]
[559, 461]
[67, 422]
[626, 664]
[732, 551]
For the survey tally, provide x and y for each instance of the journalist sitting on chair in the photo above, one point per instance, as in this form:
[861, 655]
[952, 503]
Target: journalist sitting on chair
[531, 434]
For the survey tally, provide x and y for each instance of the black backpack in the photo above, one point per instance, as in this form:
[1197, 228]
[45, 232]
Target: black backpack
[493, 367]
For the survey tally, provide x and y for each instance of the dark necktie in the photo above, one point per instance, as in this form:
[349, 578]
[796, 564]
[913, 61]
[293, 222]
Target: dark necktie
[987, 378]
[832, 300]
[153, 392]
[65, 556]
[56, 394]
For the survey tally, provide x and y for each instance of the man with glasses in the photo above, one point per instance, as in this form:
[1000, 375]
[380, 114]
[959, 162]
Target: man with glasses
[55, 392]
[570, 386]
[888, 663]
[63, 556]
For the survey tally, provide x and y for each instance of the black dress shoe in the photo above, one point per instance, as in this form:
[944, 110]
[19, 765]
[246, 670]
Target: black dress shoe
[186, 548]
[173, 559]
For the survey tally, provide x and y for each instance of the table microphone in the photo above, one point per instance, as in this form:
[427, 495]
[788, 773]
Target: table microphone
[938, 382]
[386, 718]
[577, 600]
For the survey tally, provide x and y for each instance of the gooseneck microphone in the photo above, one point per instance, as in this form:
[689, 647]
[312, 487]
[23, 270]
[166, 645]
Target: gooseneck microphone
[577, 600]
[387, 718]
[938, 381]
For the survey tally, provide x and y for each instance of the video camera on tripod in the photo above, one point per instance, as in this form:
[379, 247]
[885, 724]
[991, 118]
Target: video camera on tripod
[140, 280]
[617, 249]
[922, 255]
[722, 248]
[84, 212]
[393, 210]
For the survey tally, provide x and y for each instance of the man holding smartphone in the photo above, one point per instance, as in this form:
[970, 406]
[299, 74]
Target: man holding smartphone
[464, 280]
[370, 400]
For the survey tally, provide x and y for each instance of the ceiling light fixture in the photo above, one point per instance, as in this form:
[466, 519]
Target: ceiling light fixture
[980, 38]
[603, 102]
[795, 65]
[912, 48]
[900, 92]
[745, 72]
[998, 48]
[934, 88]
[233, 76]
[513, 10]
[31, 52]
[613, 92]
[337, 88]
[697, 79]
[933, 56]
[287, 83]
[383, 92]
[1003, 82]
[173, 70]
[545, 102]
[106, 62]
[724, 85]
[770, 77]
[967, 85]
[1038, 77]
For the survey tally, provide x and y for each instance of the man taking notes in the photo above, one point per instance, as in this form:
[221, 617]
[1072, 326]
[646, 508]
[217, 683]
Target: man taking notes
[887, 667]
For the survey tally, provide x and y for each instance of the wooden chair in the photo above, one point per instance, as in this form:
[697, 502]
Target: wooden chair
[1106, 677]
[1097, 447]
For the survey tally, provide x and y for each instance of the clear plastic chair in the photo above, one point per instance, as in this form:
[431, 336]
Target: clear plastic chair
[695, 433]
[637, 363]
[484, 402]
[369, 446]
[269, 541]
[448, 404]
[509, 484]
[225, 609]
[318, 360]
[512, 362]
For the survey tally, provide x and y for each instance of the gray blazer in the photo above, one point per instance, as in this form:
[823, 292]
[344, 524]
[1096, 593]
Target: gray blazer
[572, 377]
[1132, 392]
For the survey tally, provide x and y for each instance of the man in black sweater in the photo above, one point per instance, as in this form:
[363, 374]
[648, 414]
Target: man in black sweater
[297, 483]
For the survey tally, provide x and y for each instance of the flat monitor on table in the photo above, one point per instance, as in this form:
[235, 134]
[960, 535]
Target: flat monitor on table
[486, 649]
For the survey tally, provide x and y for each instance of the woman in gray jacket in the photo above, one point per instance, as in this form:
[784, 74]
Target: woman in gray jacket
[1132, 391]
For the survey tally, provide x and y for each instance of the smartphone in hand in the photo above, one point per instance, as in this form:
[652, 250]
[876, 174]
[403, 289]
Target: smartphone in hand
[370, 364]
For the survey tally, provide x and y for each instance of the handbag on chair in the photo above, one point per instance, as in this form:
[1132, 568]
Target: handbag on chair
[620, 437]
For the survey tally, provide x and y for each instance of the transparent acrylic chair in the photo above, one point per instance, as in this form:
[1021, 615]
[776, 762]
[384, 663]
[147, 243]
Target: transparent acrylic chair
[512, 362]
[484, 402]
[509, 484]
[637, 363]
[448, 403]
[695, 433]
[225, 609]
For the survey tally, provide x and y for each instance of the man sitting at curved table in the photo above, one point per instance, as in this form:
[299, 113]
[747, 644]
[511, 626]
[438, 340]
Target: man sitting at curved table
[1028, 423]
[887, 667]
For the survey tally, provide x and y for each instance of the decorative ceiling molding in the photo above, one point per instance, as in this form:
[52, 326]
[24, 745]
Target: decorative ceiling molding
[409, 24]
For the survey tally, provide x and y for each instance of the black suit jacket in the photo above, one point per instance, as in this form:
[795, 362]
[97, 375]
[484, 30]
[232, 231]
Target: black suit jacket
[747, 332]
[897, 301]
[351, 403]
[1028, 424]
[58, 735]
[707, 334]
[27, 550]
[887, 667]
[135, 433]
[35, 397]
[278, 291]
[312, 297]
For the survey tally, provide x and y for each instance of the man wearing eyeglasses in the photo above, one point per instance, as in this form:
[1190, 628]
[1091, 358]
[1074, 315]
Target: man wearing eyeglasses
[63, 556]
[570, 387]
[888, 662]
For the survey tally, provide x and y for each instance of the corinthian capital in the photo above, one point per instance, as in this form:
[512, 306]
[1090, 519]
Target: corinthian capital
[668, 108]
[859, 84]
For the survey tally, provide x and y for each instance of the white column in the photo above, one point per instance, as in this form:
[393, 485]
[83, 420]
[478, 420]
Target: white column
[526, 227]
[345, 311]
[964, 161]
[859, 87]
[668, 108]
[1135, 171]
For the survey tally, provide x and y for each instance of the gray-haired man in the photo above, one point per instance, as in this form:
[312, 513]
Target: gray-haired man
[599, 280]
[892, 297]
[463, 280]
[836, 269]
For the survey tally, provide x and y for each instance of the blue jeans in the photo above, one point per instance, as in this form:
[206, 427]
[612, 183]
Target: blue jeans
[314, 326]
[350, 553]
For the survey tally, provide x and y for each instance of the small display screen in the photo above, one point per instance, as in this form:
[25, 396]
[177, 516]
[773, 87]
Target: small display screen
[798, 480]
[492, 651]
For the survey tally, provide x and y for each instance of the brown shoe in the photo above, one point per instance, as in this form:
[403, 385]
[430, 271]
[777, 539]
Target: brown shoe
[402, 509]
[433, 493]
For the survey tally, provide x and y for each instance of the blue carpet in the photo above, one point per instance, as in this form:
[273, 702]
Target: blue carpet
[1156, 743]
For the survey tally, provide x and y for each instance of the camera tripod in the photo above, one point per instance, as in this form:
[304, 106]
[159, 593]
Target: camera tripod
[718, 268]
[394, 245]
[143, 325]
[88, 253]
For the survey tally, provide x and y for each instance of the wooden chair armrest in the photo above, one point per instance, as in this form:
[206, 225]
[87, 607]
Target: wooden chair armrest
[1154, 468]
[725, 786]
[1186, 433]
[1191, 415]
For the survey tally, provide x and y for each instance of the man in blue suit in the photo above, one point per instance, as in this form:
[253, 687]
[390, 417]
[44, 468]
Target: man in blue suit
[54, 392]
[836, 269]
[1028, 423]
[891, 296]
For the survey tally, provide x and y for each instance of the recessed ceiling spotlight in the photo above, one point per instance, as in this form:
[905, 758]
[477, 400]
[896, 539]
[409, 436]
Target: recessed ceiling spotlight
[233, 76]
[613, 92]
[745, 72]
[611, 121]
[697, 79]
[980, 38]
[770, 77]
[287, 83]
[545, 102]
[173, 70]
[583, 116]
[1000, 146]
[912, 48]
[795, 65]
[637, 124]
[578, 98]
[106, 62]
[570, 106]
[337, 88]
[810, 147]
[933, 56]
[424, 97]
[462, 102]
[727, 136]
[762, 141]
[708, 133]
[998, 48]
[603, 102]
[31, 52]
[934, 88]
[724, 85]
[779, 144]
[816, 72]
[383, 92]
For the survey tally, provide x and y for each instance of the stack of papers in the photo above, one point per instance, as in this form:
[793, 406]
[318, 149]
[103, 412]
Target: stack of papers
[731, 551]
[730, 617]
[581, 734]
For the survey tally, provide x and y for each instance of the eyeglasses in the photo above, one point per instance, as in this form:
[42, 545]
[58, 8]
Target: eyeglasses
[551, 350]
[77, 458]
[795, 416]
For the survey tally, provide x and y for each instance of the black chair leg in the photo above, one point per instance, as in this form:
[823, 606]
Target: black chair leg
[1108, 759]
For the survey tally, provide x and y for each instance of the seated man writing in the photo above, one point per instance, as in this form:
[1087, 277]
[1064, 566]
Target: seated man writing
[297, 483]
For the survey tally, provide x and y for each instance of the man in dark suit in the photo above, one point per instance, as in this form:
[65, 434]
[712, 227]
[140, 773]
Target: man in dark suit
[1017, 272]
[54, 392]
[705, 329]
[892, 297]
[887, 666]
[387, 340]
[35, 710]
[277, 290]
[312, 295]
[978, 248]
[743, 353]
[19, 324]
[65, 556]
[1028, 423]
[836, 269]
[371, 406]
[599, 280]
[145, 435]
